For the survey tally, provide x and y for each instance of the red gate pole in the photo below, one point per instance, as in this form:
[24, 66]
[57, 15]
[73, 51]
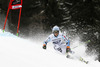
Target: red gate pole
[19, 21]
[6, 20]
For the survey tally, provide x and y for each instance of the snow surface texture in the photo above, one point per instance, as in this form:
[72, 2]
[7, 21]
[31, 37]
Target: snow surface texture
[18, 52]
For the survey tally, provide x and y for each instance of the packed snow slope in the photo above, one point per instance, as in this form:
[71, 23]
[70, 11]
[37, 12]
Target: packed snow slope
[18, 52]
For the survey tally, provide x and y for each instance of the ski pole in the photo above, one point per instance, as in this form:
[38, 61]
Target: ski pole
[19, 21]
[81, 44]
[5, 20]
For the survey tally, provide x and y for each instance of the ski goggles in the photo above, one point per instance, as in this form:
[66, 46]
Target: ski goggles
[56, 32]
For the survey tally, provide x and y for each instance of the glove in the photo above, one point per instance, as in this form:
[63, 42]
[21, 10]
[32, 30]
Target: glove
[44, 46]
[67, 49]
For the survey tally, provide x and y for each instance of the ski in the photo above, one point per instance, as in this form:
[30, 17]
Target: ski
[82, 60]
[68, 55]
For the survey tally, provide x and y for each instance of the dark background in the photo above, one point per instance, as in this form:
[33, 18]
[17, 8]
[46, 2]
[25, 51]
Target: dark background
[78, 17]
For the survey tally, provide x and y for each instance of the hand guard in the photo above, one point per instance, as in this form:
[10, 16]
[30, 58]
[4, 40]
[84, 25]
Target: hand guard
[44, 46]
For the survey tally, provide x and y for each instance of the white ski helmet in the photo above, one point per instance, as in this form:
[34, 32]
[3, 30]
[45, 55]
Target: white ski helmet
[55, 29]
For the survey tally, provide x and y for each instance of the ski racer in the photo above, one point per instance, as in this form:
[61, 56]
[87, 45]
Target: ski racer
[61, 43]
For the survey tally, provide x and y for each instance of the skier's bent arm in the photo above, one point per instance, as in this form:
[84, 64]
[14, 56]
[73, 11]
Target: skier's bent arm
[67, 41]
[46, 41]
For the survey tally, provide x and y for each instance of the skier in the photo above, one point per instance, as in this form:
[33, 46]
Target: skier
[61, 43]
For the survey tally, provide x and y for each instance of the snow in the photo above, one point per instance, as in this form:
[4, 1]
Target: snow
[19, 52]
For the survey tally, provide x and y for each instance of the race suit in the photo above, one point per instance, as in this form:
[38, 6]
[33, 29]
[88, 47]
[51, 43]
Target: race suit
[60, 42]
